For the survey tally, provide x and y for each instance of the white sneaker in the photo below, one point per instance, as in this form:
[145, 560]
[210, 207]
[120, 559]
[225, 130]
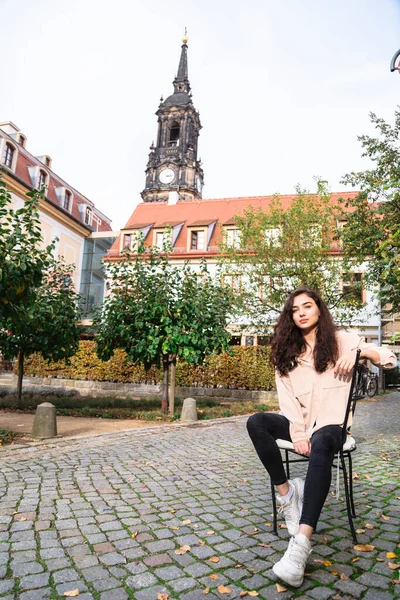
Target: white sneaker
[292, 509]
[292, 565]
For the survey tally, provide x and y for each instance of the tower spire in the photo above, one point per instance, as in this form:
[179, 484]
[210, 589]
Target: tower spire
[181, 81]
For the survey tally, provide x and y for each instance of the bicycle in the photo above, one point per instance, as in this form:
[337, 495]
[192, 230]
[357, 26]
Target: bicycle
[367, 383]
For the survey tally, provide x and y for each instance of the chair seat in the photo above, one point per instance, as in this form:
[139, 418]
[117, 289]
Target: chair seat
[348, 446]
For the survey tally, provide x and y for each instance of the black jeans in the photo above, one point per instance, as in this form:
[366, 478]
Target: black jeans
[265, 428]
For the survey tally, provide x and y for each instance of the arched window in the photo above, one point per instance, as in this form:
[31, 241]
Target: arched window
[67, 199]
[21, 140]
[174, 132]
[88, 216]
[8, 155]
[41, 179]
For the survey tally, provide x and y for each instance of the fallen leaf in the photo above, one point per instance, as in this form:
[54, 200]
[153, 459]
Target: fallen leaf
[280, 588]
[144, 485]
[252, 593]
[214, 576]
[255, 531]
[335, 572]
[319, 560]
[222, 589]
[182, 550]
[355, 559]
[369, 526]
[238, 566]
[175, 528]
[162, 597]
[206, 591]
[186, 522]
[364, 547]
[267, 524]
[243, 594]
[172, 511]
[380, 560]
[395, 581]
[202, 543]
[214, 559]
[72, 593]
[210, 532]
[343, 577]
[327, 563]
[282, 525]
[367, 477]
[393, 566]
[390, 555]
[195, 526]
[265, 545]
[134, 534]
[360, 530]
[385, 517]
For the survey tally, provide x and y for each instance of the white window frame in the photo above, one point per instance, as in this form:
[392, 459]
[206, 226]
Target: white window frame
[3, 145]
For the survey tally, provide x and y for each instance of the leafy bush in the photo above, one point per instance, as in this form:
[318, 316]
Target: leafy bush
[244, 368]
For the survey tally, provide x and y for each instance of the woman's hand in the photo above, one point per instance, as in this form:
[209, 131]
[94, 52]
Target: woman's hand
[302, 447]
[345, 364]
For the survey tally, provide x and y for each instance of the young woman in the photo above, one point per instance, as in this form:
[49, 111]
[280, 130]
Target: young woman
[313, 363]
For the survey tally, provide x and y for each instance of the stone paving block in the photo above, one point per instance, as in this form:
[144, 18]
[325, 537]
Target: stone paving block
[35, 594]
[374, 580]
[350, 587]
[136, 582]
[111, 558]
[182, 584]
[20, 569]
[65, 575]
[92, 573]
[56, 564]
[71, 585]
[152, 592]
[379, 595]
[116, 594]
[7, 585]
[101, 585]
[157, 560]
[271, 593]
[23, 557]
[31, 582]
[160, 546]
[197, 594]
[168, 573]
[321, 593]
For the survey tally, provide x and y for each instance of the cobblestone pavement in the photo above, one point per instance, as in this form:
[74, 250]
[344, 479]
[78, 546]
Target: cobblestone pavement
[106, 514]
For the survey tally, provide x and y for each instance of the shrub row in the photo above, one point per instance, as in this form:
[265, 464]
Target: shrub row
[245, 368]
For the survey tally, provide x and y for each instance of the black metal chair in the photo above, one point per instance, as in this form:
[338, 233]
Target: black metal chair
[349, 445]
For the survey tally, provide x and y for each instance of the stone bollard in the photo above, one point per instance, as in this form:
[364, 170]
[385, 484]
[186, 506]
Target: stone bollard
[45, 424]
[189, 412]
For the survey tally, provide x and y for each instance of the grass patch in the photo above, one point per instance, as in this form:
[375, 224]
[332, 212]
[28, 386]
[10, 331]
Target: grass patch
[6, 436]
[146, 409]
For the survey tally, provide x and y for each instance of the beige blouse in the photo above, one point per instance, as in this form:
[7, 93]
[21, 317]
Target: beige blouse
[311, 400]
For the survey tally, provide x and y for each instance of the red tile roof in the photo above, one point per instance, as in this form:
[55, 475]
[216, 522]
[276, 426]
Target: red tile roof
[204, 212]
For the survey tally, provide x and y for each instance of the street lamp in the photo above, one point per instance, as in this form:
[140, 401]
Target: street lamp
[393, 66]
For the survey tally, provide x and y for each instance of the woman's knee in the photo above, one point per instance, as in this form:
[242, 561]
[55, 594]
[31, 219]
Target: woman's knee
[326, 440]
[254, 423]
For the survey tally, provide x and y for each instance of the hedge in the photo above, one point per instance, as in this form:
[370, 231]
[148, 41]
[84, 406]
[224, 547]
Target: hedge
[245, 368]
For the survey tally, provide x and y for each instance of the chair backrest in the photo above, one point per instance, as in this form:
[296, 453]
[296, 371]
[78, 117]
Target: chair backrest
[352, 399]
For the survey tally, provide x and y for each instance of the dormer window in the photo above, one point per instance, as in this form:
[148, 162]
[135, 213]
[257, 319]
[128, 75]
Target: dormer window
[48, 161]
[21, 140]
[41, 179]
[233, 238]
[197, 240]
[67, 200]
[174, 134]
[88, 215]
[8, 155]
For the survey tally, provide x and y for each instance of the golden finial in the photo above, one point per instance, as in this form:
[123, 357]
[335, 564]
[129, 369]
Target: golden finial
[185, 38]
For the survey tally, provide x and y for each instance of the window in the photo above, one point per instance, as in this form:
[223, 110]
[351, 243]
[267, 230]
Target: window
[232, 281]
[48, 161]
[127, 241]
[249, 340]
[353, 287]
[272, 235]
[21, 140]
[197, 240]
[88, 215]
[235, 340]
[41, 179]
[174, 134]
[8, 155]
[160, 240]
[67, 200]
[233, 238]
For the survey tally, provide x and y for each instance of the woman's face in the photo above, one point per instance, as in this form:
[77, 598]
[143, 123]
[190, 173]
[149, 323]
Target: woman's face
[305, 313]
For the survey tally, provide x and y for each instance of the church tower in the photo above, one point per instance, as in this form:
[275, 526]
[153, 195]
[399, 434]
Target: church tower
[173, 171]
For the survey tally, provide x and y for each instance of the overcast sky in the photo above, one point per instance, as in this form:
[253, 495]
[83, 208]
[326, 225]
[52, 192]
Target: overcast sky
[283, 88]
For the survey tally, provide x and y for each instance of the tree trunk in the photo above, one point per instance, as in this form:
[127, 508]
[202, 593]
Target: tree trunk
[164, 397]
[172, 386]
[20, 376]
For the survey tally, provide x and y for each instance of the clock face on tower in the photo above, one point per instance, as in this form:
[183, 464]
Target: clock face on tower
[167, 175]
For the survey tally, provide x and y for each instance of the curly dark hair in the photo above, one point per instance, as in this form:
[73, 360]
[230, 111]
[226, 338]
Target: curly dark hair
[288, 343]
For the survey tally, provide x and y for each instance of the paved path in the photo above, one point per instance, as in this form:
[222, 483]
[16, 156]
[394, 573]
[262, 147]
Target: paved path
[106, 514]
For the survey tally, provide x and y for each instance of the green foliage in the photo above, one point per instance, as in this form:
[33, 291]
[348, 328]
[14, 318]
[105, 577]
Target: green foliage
[6, 436]
[286, 247]
[373, 229]
[156, 310]
[22, 259]
[48, 325]
[246, 368]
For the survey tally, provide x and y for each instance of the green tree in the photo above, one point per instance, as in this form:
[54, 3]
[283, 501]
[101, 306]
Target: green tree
[373, 228]
[287, 246]
[158, 312]
[47, 325]
[22, 258]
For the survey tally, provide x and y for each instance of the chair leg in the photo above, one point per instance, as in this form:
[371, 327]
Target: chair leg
[353, 510]
[275, 518]
[287, 464]
[348, 506]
